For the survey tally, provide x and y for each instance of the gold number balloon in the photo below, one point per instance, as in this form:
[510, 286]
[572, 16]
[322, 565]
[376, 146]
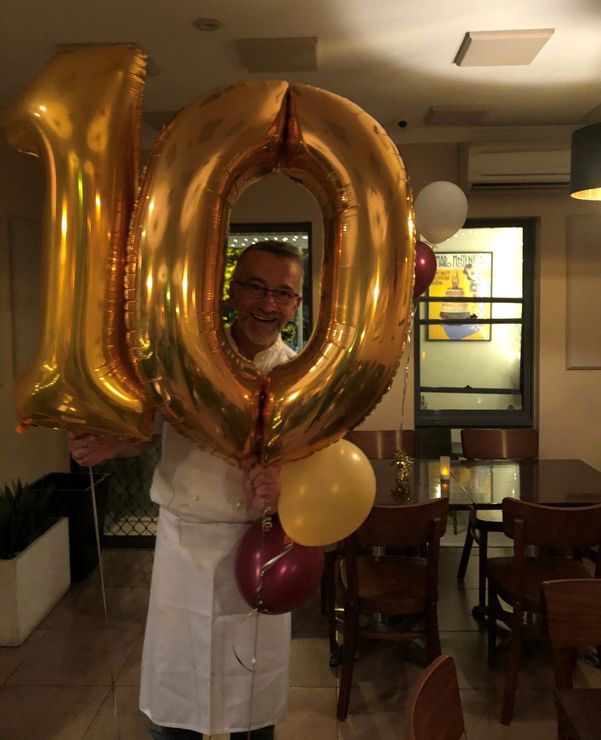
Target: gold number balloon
[347, 160]
[81, 117]
[210, 152]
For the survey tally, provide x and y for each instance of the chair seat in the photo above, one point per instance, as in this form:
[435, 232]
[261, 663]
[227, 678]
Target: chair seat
[391, 587]
[492, 518]
[537, 570]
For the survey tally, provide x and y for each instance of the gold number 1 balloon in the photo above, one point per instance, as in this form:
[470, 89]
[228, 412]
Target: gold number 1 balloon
[81, 117]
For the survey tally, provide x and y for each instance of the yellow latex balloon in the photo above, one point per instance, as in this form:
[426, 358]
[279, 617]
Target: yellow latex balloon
[325, 497]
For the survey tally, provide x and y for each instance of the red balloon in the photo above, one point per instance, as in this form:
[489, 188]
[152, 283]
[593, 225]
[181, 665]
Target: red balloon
[425, 268]
[288, 581]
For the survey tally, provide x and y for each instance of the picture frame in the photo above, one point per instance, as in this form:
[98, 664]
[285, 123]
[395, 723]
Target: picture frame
[461, 280]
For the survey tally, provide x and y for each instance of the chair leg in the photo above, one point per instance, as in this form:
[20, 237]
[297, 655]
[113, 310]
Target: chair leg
[562, 733]
[329, 596]
[465, 553]
[351, 627]
[482, 557]
[492, 622]
[513, 664]
[432, 637]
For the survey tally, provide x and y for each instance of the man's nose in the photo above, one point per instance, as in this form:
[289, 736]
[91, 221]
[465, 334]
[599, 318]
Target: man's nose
[268, 300]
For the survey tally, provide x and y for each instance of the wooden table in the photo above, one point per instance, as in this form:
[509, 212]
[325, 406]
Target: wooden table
[483, 484]
[549, 482]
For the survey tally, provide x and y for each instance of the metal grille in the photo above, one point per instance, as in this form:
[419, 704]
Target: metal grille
[131, 517]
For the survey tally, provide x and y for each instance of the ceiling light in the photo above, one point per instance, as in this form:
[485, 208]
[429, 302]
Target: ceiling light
[501, 48]
[585, 166]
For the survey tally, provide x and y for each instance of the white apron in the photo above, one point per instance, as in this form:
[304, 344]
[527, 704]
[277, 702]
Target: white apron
[201, 636]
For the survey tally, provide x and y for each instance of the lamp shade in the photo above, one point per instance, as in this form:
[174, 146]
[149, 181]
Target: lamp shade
[585, 167]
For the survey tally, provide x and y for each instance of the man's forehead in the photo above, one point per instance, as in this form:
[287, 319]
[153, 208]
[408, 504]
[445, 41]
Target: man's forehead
[262, 264]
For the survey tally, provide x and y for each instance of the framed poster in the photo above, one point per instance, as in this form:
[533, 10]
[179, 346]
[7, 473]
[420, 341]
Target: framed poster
[461, 279]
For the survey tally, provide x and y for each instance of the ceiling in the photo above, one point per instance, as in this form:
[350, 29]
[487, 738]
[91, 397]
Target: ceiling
[392, 57]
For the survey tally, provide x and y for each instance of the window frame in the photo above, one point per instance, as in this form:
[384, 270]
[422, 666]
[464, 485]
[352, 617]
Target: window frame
[523, 417]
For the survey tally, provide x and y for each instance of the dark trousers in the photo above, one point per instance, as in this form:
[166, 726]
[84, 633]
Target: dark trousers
[174, 733]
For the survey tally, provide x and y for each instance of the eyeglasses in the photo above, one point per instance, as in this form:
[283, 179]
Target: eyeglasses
[256, 291]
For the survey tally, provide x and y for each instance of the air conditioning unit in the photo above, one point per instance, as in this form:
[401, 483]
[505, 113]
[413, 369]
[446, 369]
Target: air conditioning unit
[516, 166]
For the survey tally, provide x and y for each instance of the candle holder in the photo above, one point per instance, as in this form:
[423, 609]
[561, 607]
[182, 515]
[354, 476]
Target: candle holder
[445, 467]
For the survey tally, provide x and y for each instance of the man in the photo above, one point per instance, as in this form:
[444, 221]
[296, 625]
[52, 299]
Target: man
[200, 643]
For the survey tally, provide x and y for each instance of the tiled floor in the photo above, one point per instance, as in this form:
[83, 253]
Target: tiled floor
[76, 677]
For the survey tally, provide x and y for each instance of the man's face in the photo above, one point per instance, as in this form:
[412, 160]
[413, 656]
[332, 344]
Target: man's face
[261, 320]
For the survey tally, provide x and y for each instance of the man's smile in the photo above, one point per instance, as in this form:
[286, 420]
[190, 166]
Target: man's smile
[264, 319]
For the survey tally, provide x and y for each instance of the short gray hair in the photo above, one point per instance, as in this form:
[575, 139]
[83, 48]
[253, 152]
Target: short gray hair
[276, 248]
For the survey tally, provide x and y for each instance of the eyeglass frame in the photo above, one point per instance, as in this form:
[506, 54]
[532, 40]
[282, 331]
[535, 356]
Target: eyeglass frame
[286, 296]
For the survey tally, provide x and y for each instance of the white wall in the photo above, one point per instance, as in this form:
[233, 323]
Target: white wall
[568, 401]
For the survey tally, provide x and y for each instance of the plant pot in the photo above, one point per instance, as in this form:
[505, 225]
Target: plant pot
[71, 498]
[33, 582]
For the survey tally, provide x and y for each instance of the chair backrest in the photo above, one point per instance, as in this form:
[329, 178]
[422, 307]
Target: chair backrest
[381, 444]
[406, 525]
[432, 442]
[558, 527]
[500, 444]
[573, 609]
[433, 710]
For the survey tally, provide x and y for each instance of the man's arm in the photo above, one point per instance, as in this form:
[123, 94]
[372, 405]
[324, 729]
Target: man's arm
[91, 449]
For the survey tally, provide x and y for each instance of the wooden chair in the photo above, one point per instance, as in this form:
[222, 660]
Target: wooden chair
[433, 710]
[490, 444]
[518, 580]
[573, 612]
[391, 585]
[380, 444]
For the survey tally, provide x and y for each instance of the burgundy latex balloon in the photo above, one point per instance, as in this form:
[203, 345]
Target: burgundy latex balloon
[425, 268]
[288, 582]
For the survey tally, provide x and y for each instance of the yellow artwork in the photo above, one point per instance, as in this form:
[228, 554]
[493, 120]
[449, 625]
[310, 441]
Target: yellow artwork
[461, 280]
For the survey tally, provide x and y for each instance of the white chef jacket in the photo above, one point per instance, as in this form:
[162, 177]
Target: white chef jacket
[201, 636]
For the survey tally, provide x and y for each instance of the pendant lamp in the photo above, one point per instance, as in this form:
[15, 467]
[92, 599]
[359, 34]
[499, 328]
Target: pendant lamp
[585, 167]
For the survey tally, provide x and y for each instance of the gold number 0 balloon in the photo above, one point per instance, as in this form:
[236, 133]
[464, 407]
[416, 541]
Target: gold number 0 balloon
[81, 117]
[210, 152]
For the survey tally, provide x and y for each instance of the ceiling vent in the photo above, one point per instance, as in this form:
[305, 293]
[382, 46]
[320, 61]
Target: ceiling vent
[516, 166]
[278, 55]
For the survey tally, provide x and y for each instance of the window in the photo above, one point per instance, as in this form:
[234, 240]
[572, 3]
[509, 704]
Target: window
[474, 329]
[296, 334]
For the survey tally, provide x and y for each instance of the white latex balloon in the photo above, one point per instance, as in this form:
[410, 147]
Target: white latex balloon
[440, 211]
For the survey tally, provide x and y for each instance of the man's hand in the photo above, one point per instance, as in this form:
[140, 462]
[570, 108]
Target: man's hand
[261, 485]
[91, 449]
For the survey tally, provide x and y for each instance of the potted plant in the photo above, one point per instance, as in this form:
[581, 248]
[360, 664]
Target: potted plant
[34, 560]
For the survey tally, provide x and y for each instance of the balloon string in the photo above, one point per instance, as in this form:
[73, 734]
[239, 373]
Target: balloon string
[97, 533]
[266, 525]
[407, 354]
[102, 585]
